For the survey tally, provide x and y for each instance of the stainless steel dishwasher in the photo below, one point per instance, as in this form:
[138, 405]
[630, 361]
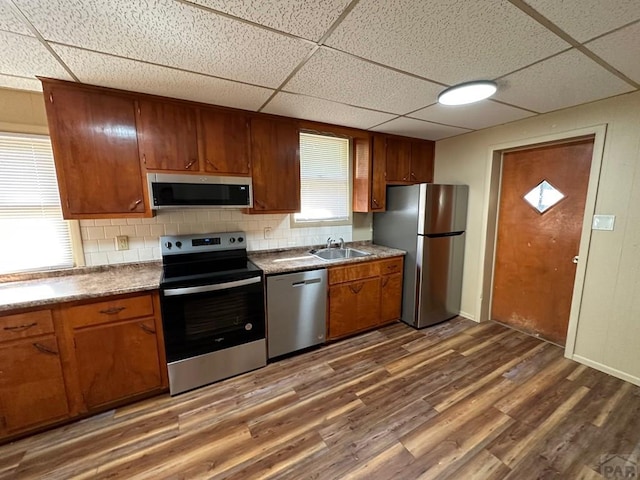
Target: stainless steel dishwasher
[296, 311]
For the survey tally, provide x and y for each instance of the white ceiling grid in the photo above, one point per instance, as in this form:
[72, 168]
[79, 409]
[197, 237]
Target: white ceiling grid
[371, 64]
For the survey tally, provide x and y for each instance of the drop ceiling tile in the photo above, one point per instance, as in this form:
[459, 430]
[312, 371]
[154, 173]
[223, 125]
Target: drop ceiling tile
[475, 116]
[170, 33]
[586, 19]
[343, 78]
[26, 57]
[440, 39]
[20, 83]
[109, 71]
[565, 80]
[410, 127]
[319, 110]
[305, 19]
[9, 22]
[623, 59]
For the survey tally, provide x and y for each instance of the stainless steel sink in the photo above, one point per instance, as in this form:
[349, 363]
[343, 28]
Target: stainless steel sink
[338, 253]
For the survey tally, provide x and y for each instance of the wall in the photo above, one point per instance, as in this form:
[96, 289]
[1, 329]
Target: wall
[608, 324]
[98, 236]
[22, 112]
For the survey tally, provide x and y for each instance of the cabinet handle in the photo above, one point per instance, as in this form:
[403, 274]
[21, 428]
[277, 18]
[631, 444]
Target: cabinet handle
[385, 280]
[259, 204]
[375, 202]
[22, 327]
[51, 97]
[43, 349]
[212, 165]
[405, 178]
[413, 175]
[112, 310]
[189, 165]
[356, 288]
[135, 204]
[147, 329]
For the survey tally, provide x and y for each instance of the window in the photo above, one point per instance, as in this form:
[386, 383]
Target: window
[324, 180]
[34, 235]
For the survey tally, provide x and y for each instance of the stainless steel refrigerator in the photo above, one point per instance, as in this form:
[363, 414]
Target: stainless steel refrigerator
[428, 221]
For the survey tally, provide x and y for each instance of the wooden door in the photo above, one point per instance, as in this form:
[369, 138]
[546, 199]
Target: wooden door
[32, 389]
[534, 269]
[398, 160]
[224, 138]
[275, 160]
[117, 360]
[95, 148]
[390, 297]
[167, 136]
[353, 307]
[422, 161]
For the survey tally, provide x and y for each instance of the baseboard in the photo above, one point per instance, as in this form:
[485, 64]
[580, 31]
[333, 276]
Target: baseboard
[604, 368]
[468, 316]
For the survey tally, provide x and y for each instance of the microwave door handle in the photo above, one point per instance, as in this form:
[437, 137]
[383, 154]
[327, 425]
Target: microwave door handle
[172, 292]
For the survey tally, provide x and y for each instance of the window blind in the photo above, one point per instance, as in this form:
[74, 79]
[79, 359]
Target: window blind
[34, 235]
[324, 179]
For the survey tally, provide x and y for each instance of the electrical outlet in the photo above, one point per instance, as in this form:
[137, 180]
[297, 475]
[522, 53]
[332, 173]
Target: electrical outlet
[267, 232]
[122, 242]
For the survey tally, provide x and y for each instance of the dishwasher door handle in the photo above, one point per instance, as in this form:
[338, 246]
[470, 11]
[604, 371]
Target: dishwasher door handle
[302, 283]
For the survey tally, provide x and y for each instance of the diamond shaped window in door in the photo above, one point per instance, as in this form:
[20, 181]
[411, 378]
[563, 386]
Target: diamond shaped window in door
[543, 196]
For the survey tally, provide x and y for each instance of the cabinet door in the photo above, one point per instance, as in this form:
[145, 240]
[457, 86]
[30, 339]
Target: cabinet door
[275, 161]
[379, 173]
[224, 138]
[95, 147]
[390, 297]
[32, 389]
[116, 361]
[167, 136]
[353, 307]
[422, 161]
[398, 160]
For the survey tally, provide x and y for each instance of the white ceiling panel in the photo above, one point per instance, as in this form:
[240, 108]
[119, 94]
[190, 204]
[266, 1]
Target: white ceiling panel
[299, 17]
[474, 116]
[568, 79]
[316, 109]
[586, 19]
[108, 71]
[170, 33]
[26, 57]
[343, 78]
[20, 83]
[440, 39]
[410, 127]
[9, 22]
[624, 59]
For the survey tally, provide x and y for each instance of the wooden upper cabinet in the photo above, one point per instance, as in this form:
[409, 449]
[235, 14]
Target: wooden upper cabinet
[369, 183]
[409, 161]
[275, 161]
[422, 161]
[224, 142]
[167, 136]
[95, 147]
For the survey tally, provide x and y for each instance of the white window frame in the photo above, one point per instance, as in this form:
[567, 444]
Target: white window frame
[330, 223]
[75, 237]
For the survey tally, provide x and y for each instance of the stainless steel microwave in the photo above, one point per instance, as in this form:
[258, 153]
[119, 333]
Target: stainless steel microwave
[186, 191]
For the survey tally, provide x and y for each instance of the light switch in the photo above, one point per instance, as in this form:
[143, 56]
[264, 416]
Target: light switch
[603, 222]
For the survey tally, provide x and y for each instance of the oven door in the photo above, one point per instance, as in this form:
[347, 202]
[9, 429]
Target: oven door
[207, 318]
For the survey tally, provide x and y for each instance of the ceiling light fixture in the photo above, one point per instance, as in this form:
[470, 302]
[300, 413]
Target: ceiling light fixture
[469, 92]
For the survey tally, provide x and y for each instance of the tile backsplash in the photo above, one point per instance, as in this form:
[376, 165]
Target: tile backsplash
[98, 236]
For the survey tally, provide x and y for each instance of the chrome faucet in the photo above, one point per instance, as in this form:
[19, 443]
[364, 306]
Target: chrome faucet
[329, 242]
[342, 243]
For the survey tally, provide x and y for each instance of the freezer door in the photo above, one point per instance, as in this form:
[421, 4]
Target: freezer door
[439, 279]
[444, 208]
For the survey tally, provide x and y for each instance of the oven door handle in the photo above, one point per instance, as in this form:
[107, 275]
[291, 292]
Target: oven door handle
[172, 292]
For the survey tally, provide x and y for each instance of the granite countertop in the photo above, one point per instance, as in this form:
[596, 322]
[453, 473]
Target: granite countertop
[79, 284]
[34, 290]
[299, 259]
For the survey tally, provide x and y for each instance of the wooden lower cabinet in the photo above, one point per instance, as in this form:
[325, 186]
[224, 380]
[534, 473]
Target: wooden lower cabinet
[364, 296]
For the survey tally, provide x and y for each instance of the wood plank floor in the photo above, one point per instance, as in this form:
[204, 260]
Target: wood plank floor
[460, 400]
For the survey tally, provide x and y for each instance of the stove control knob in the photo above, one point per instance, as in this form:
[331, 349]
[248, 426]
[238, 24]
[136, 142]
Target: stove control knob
[240, 239]
[232, 240]
[168, 245]
[179, 244]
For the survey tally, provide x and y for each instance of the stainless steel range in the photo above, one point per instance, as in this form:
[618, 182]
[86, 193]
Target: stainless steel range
[212, 300]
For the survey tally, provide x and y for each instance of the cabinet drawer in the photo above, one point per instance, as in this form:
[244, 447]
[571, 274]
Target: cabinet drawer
[24, 325]
[393, 265]
[353, 272]
[110, 310]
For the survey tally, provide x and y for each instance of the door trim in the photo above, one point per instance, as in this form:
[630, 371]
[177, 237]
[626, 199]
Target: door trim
[490, 218]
